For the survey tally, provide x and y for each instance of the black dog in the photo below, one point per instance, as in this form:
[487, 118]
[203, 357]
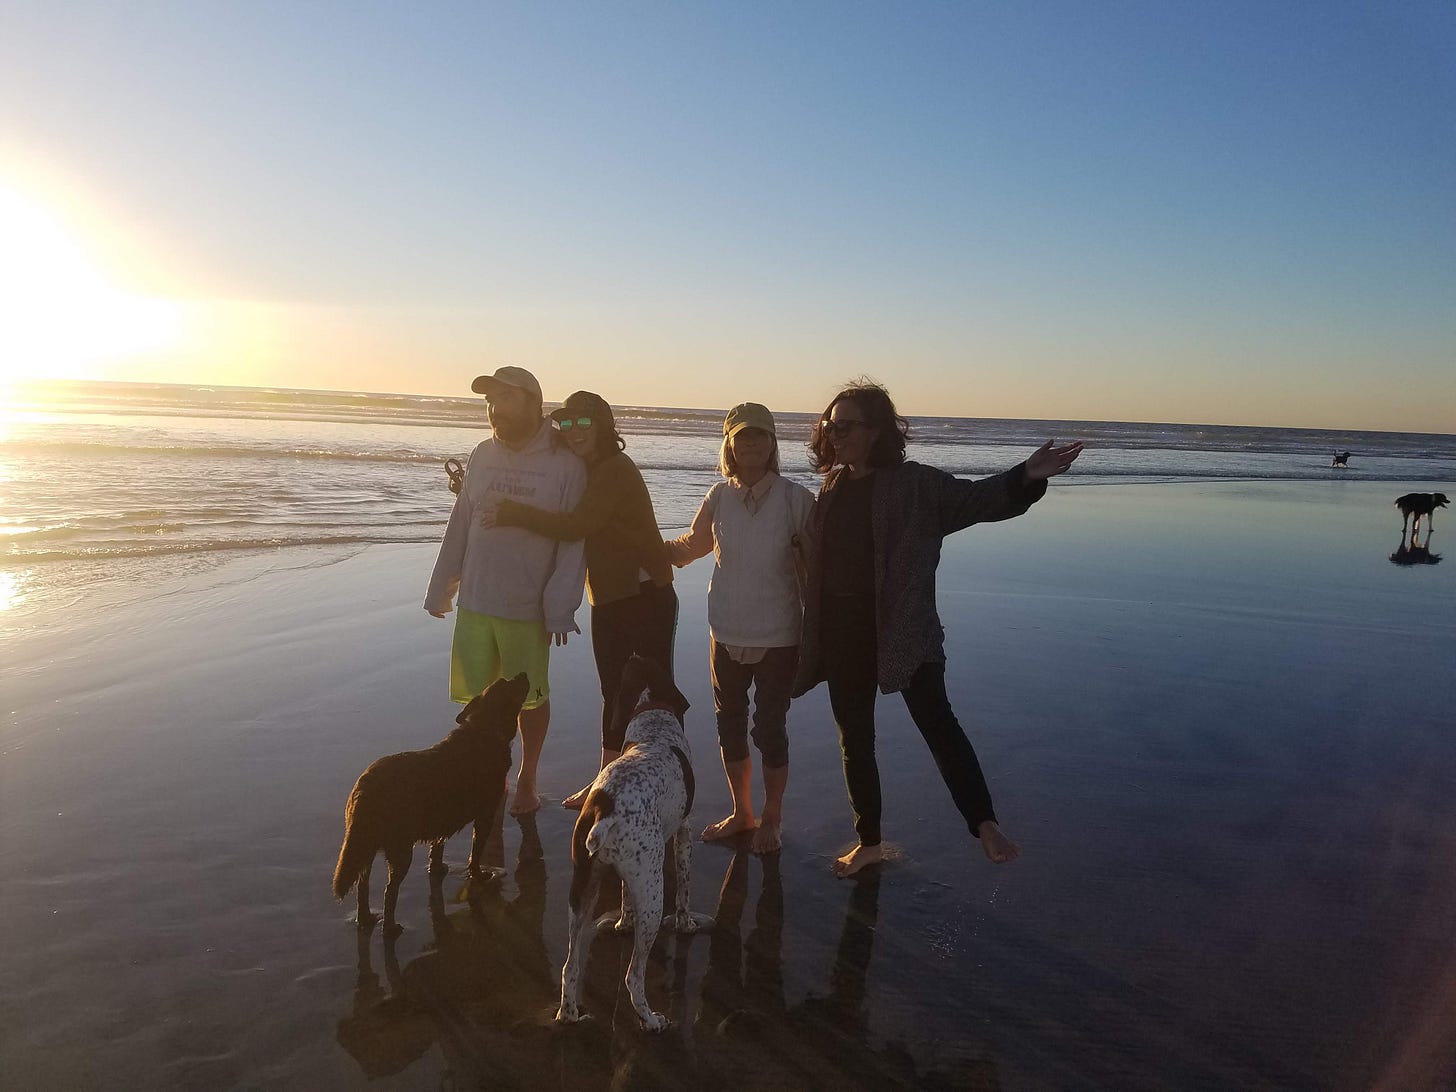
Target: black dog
[1342, 458]
[1418, 505]
[426, 796]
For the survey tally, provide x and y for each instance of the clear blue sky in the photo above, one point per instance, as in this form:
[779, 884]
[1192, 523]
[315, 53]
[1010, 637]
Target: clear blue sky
[1223, 212]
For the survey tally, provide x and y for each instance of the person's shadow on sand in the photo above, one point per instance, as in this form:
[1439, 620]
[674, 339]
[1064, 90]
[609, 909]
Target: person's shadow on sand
[748, 1039]
[1414, 551]
[485, 972]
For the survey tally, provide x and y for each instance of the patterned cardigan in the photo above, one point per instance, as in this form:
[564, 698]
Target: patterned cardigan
[913, 507]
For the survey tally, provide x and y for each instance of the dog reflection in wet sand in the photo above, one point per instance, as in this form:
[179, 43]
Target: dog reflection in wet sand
[637, 804]
[426, 796]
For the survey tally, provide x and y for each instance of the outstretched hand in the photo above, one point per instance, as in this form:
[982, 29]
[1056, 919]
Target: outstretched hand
[1048, 461]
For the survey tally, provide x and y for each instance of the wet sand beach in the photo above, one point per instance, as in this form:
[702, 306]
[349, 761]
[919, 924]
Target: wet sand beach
[1216, 718]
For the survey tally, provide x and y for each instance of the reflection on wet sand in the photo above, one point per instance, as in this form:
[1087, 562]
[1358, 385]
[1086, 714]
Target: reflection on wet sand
[485, 973]
[749, 1039]
[1412, 551]
[484, 992]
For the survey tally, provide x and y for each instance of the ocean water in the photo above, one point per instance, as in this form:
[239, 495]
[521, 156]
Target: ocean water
[104, 483]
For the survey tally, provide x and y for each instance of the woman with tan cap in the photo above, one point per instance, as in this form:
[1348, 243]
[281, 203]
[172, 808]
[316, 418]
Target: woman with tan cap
[750, 523]
[628, 578]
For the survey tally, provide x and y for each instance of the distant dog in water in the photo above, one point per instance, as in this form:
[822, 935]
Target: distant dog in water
[1418, 505]
[1341, 458]
[426, 796]
[635, 806]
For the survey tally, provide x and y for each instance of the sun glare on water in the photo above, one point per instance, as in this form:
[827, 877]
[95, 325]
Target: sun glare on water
[63, 318]
[12, 591]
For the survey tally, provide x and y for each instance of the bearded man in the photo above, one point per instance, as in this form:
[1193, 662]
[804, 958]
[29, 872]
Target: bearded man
[518, 591]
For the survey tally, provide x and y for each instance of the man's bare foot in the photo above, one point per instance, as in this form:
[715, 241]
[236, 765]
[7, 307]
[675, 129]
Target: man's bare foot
[860, 857]
[575, 801]
[525, 801]
[726, 828]
[768, 838]
[998, 847]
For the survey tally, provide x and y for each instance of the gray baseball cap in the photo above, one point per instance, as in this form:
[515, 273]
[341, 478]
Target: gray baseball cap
[508, 376]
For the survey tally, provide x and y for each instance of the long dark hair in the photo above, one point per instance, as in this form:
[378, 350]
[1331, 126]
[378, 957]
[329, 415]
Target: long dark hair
[609, 440]
[879, 413]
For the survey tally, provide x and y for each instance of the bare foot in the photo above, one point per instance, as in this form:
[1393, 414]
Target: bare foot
[575, 801]
[998, 847]
[861, 857]
[726, 828]
[525, 801]
[768, 837]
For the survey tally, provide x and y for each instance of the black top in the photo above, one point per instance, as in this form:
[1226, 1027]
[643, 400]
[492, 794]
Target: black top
[848, 553]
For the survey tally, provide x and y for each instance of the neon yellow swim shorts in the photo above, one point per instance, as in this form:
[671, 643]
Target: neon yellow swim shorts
[487, 648]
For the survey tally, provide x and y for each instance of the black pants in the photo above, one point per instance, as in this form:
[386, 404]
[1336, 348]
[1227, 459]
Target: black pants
[848, 638]
[773, 680]
[644, 624]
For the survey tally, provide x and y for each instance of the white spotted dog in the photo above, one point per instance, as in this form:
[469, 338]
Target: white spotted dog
[635, 807]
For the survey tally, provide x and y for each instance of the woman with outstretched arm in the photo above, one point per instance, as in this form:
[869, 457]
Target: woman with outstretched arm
[870, 618]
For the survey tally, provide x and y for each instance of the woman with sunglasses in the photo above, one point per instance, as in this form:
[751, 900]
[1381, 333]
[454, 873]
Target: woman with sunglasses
[869, 616]
[749, 523]
[628, 578]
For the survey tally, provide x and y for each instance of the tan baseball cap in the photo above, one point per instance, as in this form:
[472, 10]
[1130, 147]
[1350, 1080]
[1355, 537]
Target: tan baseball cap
[508, 376]
[748, 415]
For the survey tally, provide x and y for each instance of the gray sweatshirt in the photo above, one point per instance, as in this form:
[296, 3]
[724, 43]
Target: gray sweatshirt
[509, 572]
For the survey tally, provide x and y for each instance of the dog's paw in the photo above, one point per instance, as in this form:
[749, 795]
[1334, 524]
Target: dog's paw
[438, 871]
[570, 1014]
[689, 922]
[478, 881]
[366, 923]
[392, 929]
[655, 1021]
[614, 923]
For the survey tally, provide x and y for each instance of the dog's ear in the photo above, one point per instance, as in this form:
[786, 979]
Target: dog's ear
[646, 675]
[477, 705]
[668, 693]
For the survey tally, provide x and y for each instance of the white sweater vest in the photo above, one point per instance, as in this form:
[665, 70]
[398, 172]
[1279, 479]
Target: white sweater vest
[753, 598]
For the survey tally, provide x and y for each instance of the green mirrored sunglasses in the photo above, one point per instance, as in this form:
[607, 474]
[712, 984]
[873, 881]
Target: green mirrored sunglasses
[566, 424]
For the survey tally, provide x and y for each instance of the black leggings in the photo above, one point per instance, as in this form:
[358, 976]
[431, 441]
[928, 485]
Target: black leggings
[644, 625]
[848, 635]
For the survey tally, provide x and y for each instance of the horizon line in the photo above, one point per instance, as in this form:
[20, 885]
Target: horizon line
[38, 381]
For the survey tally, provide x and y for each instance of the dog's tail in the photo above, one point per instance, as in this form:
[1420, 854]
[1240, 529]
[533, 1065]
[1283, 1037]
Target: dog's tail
[356, 852]
[599, 831]
[595, 820]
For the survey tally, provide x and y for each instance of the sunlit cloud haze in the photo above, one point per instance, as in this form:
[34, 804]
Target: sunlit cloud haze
[1233, 213]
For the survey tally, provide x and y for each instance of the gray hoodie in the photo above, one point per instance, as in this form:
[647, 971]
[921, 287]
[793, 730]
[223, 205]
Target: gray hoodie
[510, 572]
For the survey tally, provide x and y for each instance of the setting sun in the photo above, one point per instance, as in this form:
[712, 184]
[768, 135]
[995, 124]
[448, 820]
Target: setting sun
[65, 318]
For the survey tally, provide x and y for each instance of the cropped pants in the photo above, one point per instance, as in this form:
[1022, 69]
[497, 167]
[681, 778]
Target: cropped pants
[773, 680]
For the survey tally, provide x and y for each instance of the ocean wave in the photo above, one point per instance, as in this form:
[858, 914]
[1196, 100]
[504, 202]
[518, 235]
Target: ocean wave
[115, 550]
[99, 449]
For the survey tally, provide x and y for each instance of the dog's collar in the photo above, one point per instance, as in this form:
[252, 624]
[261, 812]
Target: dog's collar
[649, 706]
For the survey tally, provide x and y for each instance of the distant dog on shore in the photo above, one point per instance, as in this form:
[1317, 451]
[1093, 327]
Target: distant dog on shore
[1418, 505]
[1341, 458]
[635, 807]
[426, 796]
